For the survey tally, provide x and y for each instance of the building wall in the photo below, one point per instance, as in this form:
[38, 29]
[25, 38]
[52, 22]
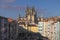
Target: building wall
[57, 26]
[51, 29]
[8, 30]
[33, 28]
[3, 28]
[45, 28]
[41, 28]
[13, 29]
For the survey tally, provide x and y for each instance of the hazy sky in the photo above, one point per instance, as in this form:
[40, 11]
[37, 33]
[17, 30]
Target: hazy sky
[46, 8]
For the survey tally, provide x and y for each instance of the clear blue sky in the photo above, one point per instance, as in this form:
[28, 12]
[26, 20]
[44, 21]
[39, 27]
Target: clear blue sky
[48, 7]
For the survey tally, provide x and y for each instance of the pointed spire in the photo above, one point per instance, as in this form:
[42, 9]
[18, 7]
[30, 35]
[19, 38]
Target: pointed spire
[19, 16]
[33, 8]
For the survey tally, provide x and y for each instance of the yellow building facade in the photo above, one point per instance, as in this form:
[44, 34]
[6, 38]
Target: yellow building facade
[32, 27]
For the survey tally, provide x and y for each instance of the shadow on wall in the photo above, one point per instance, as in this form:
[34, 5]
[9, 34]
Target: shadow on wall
[28, 35]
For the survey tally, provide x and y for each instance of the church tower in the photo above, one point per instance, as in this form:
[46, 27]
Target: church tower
[31, 15]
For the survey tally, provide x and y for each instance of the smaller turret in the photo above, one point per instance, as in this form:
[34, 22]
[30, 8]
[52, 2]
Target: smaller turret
[18, 17]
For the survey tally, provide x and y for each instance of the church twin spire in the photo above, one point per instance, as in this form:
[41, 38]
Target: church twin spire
[30, 14]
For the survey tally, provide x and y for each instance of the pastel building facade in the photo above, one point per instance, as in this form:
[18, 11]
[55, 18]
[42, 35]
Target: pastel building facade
[41, 27]
[51, 27]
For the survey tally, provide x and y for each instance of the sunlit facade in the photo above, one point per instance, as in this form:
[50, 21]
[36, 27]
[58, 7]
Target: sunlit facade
[32, 28]
[41, 27]
[50, 27]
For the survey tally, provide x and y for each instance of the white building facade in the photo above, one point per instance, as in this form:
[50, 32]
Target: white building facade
[57, 30]
[41, 27]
